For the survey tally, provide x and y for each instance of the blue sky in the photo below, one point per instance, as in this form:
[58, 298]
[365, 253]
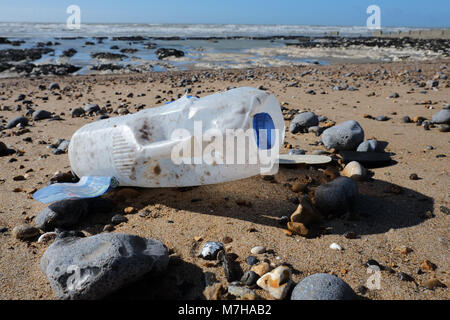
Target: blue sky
[412, 13]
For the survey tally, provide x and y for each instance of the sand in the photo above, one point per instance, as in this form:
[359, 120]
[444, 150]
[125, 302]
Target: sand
[386, 221]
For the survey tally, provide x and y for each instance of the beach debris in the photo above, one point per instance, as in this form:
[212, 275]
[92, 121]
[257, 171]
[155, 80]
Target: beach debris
[344, 136]
[355, 171]
[47, 237]
[336, 197]
[277, 282]
[92, 267]
[322, 286]
[25, 232]
[303, 121]
[210, 250]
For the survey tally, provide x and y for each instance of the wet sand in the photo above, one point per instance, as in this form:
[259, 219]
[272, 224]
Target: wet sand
[385, 222]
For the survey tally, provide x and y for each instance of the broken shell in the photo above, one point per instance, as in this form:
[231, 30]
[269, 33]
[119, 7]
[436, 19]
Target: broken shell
[354, 170]
[47, 237]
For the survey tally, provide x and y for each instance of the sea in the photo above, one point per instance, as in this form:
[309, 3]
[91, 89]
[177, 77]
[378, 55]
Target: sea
[205, 46]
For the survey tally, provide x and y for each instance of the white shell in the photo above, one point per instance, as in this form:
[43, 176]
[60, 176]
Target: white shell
[46, 236]
[354, 170]
[335, 246]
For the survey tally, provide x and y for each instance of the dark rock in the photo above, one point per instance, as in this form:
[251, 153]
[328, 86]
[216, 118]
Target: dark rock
[62, 214]
[77, 112]
[249, 278]
[91, 268]
[41, 115]
[251, 260]
[162, 53]
[336, 197]
[14, 122]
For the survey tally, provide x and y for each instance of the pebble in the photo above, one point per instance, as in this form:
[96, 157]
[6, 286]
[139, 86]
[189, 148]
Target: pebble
[345, 136]
[336, 197]
[406, 119]
[305, 212]
[91, 108]
[261, 269]
[258, 250]
[355, 171]
[434, 283]
[106, 262]
[62, 214]
[303, 121]
[240, 291]
[405, 277]
[211, 249]
[382, 118]
[427, 265]
[395, 95]
[25, 232]
[16, 121]
[298, 228]
[350, 235]
[277, 282]
[413, 176]
[251, 260]
[118, 219]
[41, 115]
[444, 128]
[249, 278]
[322, 286]
[372, 146]
[53, 86]
[335, 246]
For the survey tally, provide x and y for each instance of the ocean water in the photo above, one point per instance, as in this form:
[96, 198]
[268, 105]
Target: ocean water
[237, 46]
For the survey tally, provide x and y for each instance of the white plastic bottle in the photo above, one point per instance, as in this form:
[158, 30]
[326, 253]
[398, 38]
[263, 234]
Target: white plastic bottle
[150, 148]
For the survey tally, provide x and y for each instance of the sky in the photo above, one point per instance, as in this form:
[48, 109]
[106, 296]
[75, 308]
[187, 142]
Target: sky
[394, 13]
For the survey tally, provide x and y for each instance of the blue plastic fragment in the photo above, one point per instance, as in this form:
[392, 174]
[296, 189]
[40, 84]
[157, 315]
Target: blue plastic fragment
[264, 126]
[87, 187]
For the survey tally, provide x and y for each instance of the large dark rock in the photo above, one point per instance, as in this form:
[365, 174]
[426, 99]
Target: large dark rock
[162, 53]
[92, 267]
[322, 286]
[336, 197]
[62, 214]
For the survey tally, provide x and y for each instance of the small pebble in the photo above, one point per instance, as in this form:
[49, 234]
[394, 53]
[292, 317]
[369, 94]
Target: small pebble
[251, 260]
[258, 250]
[335, 246]
[25, 232]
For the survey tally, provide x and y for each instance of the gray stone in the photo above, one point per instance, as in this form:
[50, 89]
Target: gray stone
[382, 118]
[91, 108]
[239, 291]
[25, 232]
[372, 146]
[322, 286]
[442, 117]
[14, 122]
[336, 197]
[444, 128]
[118, 218]
[92, 267]
[53, 86]
[249, 278]
[77, 112]
[41, 115]
[345, 136]
[62, 214]
[303, 121]
[210, 250]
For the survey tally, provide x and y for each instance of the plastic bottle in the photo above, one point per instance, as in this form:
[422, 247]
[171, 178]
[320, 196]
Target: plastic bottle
[146, 149]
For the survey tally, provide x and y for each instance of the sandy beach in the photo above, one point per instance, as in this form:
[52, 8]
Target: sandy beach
[393, 212]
